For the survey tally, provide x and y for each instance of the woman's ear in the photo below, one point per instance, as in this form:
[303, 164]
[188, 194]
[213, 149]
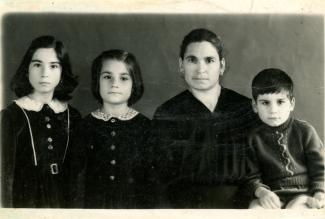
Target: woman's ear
[293, 103]
[254, 106]
[181, 68]
[222, 66]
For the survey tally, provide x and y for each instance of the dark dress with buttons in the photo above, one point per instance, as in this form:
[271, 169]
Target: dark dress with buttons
[201, 155]
[24, 184]
[110, 163]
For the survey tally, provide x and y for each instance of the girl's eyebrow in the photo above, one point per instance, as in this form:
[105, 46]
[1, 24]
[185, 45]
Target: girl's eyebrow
[108, 72]
[37, 60]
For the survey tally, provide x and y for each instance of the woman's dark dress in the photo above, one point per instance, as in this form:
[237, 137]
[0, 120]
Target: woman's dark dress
[201, 155]
[24, 184]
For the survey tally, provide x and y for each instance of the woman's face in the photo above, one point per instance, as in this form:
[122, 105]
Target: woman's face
[201, 66]
[44, 71]
[115, 82]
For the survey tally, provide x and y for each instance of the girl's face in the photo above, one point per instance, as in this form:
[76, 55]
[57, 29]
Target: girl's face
[44, 71]
[115, 82]
[201, 66]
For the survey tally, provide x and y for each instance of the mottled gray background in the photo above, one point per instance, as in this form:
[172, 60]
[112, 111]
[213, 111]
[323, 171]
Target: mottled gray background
[294, 43]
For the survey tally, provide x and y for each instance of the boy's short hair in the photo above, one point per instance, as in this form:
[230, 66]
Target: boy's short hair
[200, 35]
[270, 81]
[20, 82]
[131, 64]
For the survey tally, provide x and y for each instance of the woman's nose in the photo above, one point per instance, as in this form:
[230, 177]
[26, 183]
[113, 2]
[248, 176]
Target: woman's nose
[202, 66]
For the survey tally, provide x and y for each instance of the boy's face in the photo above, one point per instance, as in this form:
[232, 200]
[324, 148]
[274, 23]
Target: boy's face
[274, 109]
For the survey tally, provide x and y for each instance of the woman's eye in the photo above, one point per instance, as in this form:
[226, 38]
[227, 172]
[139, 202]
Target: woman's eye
[37, 65]
[265, 103]
[191, 59]
[209, 60]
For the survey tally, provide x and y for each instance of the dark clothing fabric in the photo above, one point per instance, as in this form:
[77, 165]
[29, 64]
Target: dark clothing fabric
[290, 157]
[110, 163]
[202, 151]
[24, 184]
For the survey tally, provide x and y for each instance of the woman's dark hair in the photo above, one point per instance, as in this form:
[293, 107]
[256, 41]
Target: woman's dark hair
[200, 35]
[20, 82]
[271, 80]
[132, 66]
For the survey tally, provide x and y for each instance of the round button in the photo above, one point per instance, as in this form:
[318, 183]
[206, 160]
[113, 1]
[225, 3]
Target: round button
[113, 147]
[49, 139]
[50, 147]
[48, 126]
[47, 119]
[113, 133]
[113, 162]
[112, 177]
[113, 120]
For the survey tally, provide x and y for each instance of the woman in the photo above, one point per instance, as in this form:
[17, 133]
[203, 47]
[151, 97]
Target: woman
[200, 134]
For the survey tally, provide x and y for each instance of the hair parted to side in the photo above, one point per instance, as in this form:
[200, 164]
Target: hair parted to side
[271, 80]
[20, 82]
[131, 64]
[200, 35]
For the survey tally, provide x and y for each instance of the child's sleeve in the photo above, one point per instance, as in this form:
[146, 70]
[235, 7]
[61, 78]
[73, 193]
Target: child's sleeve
[314, 153]
[253, 174]
[8, 147]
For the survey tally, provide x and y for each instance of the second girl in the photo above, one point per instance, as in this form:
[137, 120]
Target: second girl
[109, 149]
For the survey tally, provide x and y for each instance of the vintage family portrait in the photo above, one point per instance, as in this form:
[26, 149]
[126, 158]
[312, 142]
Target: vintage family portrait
[148, 111]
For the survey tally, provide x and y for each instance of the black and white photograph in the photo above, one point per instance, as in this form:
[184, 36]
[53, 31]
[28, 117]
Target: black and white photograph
[148, 113]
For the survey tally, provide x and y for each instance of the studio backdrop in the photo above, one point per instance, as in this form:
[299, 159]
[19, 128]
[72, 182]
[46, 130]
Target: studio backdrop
[293, 43]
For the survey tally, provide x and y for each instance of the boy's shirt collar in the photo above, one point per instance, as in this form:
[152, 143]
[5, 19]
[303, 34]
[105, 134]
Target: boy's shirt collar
[33, 105]
[281, 127]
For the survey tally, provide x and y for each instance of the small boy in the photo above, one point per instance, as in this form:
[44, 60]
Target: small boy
[289, 153]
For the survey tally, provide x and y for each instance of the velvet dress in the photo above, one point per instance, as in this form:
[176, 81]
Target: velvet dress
[34, 141]
[110, 162]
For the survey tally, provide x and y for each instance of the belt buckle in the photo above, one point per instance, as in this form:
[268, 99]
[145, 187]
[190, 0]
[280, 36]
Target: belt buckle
[54, 168]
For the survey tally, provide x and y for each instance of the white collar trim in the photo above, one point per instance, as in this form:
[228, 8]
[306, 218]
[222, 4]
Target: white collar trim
[29, 104]
[98, 114]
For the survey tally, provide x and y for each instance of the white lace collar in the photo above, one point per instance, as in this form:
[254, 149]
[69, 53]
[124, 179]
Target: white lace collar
[29, 104]
[98, 114]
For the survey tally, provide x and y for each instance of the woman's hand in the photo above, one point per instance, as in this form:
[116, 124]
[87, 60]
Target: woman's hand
[267, 198]
[317, 201]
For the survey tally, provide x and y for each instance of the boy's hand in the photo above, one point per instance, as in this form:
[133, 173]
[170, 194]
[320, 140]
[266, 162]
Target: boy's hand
[317, 201]
[267, 198]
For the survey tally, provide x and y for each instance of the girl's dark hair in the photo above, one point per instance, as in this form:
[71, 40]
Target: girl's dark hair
[20, 82]
[200, 35]
[270, 81]
[132, 66]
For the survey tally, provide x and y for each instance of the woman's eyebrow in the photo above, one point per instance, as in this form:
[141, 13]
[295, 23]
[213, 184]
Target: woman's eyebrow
[190, 56]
